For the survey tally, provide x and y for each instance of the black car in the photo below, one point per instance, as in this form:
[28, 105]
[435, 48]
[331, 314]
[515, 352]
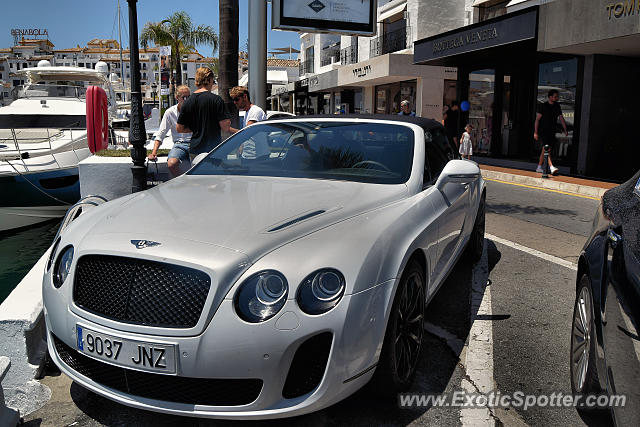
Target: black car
[605, 338]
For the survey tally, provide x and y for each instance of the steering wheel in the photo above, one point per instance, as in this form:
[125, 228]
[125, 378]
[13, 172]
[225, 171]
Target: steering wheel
[372, 162]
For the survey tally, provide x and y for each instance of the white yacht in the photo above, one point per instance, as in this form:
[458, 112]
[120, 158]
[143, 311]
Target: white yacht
[43, 136]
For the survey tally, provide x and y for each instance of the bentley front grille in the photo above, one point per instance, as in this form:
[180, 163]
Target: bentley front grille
[140, 292]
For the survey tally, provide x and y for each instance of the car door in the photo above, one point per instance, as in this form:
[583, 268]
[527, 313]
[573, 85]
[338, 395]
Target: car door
[451, 204]
[620, 326]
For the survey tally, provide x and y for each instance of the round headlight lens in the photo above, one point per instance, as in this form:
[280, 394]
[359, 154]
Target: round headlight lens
[261, 296]
[320, 291]
[63, 266]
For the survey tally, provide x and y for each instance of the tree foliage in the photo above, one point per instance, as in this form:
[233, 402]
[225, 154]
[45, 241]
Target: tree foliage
[179, 32]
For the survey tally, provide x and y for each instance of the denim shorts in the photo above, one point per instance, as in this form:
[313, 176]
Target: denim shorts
[180, 151]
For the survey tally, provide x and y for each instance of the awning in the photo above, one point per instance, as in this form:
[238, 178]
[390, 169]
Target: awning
[274, 77]
[393, 11]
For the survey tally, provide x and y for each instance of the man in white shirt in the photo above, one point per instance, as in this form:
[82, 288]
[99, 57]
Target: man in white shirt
[180, 151]
[252, 148]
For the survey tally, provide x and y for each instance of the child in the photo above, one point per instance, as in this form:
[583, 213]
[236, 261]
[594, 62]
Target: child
[466, 149]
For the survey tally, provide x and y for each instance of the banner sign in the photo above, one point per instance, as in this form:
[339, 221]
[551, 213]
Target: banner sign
[350, 17]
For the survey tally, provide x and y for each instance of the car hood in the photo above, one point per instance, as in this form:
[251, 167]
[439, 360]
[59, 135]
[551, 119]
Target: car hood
[253, 215]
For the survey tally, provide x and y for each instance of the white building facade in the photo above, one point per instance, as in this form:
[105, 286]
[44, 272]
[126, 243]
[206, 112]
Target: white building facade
[344, 74]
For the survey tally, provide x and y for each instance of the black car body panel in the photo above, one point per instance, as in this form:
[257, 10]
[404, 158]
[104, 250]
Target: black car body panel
[611, 260]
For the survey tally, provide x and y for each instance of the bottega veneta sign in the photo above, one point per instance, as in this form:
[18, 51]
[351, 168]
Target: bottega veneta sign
[511, 28]
[466, 39]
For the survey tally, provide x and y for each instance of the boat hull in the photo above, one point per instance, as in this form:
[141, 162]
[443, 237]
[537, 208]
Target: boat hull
[31, 198]
[17, 217]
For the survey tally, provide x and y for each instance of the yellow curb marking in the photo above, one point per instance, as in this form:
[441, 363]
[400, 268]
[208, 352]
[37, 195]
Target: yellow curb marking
[541, 188]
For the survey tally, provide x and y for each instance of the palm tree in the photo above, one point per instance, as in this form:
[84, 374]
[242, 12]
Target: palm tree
[178, 32]
[228, 63]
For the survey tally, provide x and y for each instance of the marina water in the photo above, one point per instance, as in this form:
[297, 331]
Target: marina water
[20, 250]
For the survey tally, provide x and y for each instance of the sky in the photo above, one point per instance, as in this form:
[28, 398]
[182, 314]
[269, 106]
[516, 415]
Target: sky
[75, 22]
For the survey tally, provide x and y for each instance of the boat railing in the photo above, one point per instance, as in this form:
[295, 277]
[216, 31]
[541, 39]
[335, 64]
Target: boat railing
[19, 145]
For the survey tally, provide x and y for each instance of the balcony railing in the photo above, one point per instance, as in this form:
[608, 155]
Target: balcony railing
[391, 42]
[306, 66]
[349, 55]
[330, 57]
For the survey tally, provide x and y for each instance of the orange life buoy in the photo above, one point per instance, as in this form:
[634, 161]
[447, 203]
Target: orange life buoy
[97, 119]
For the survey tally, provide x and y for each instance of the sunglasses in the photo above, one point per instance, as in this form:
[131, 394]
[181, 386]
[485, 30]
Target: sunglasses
[237, 98]
[184, 97]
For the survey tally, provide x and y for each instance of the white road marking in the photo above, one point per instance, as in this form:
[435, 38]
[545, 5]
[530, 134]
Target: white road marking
[479, 352]
[534, 252]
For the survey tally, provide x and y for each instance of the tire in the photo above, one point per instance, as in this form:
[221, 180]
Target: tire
[403, 337]
[582, 357]
[473, 251]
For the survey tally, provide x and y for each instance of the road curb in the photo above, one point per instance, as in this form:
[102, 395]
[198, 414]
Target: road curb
[568, 187]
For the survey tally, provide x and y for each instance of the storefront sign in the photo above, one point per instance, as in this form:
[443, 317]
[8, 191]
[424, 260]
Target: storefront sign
[362, 71]
[623, 8]
[324, 81]
[509, 29]
[350, 17]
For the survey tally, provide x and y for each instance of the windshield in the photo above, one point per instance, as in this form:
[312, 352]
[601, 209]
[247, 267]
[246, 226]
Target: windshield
[363, 152]
[53, 90]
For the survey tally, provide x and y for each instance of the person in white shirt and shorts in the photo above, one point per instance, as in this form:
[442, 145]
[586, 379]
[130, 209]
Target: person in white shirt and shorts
[466, 147]
[180, 152]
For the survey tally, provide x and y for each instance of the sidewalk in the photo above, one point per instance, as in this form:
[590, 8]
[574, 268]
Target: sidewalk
[567, 184]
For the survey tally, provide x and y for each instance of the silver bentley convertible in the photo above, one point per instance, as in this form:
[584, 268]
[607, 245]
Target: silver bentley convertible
[288, 268]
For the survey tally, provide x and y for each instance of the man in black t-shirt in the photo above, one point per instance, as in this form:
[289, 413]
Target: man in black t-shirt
[203, 113]
[545, 127]
[450, 122]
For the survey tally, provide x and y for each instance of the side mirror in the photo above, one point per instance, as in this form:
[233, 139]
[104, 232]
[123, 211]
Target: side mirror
[198, 159]
[458, 171]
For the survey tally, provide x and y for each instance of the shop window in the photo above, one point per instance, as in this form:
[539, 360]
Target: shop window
[561, 76]
[481, 94]
[389, 97]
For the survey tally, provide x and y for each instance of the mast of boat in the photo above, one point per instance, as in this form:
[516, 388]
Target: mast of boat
[124, 93]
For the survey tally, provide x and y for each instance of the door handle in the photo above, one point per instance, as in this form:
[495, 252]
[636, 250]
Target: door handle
[614, 238]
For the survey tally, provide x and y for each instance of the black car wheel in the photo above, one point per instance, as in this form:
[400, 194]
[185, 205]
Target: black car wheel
[474, 248]
[584, 376]
[403, 337]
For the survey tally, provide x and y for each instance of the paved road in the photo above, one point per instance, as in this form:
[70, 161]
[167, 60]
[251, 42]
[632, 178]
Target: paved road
[523, 319]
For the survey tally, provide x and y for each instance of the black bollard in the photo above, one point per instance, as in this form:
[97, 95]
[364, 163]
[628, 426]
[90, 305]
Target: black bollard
[545, 163]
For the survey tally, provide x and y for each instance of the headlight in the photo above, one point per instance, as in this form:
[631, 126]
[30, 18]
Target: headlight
[320, 291]
[63, 266]
[52, 254]
[261, 296]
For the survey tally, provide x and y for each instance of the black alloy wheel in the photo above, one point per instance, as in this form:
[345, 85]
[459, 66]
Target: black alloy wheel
[403, 338]
[584, 375]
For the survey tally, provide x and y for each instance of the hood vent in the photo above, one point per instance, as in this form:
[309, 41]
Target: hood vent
[296, 220]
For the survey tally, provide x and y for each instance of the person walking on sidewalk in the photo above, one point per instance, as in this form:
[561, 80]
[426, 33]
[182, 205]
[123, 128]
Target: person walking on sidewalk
[466, 147]
[545, 127]
[204, 115]
[180, 151]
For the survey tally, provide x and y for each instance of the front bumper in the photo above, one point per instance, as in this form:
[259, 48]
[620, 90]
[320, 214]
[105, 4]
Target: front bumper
[231, 352]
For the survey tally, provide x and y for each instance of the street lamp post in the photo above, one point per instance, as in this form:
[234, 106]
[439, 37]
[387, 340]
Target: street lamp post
[137, 133]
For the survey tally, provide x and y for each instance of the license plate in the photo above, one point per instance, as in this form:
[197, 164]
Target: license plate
[145, 356]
